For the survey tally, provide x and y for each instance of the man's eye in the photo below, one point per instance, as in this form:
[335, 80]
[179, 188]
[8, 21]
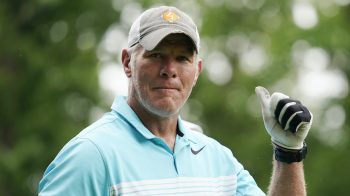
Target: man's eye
[182, 58]
[155, 55]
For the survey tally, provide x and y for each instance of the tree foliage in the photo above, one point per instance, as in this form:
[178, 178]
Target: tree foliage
[49, 80]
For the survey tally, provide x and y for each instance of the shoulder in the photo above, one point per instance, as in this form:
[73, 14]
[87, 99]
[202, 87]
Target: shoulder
[85, 157]
[81, 158]
[105, 123]
[110, 127]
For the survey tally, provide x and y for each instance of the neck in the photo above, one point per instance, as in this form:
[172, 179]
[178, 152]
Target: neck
[163, 127]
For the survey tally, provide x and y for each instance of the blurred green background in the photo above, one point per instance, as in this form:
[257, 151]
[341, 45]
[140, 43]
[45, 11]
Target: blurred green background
[60, 70]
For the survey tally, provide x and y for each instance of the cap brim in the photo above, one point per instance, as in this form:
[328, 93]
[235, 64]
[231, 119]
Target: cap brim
[151, 40]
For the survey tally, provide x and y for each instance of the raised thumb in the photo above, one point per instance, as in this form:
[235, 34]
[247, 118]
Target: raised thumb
[263, 97]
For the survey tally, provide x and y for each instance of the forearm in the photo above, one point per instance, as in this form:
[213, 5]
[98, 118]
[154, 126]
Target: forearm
[287, 179]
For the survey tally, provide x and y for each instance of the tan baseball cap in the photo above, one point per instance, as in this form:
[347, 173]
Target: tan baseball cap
[156, 23]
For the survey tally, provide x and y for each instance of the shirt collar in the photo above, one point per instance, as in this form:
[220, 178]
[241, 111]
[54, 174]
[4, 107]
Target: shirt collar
[124, 110]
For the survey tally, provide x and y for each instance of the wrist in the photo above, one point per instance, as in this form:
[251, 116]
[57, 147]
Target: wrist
[288, 144]
[285, 155]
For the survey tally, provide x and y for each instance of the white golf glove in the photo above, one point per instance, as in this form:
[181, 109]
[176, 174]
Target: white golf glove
[286, 120]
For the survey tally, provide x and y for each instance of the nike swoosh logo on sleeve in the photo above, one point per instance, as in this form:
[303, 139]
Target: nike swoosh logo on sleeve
[195, 152]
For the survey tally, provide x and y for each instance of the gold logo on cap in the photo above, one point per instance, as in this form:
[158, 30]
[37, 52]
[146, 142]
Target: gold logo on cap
[170, 16]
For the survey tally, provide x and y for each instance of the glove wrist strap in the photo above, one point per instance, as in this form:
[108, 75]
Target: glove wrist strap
[289, 156]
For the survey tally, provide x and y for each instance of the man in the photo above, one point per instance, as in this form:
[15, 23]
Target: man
[143, 147]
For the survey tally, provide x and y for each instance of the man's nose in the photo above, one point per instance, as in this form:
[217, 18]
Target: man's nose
[168, 68]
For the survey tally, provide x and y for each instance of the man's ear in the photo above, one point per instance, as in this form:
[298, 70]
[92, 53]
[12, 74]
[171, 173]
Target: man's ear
[126, 62]
[199, 70]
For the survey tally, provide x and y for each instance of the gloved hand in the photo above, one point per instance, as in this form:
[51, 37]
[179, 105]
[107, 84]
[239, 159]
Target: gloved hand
[286, 120]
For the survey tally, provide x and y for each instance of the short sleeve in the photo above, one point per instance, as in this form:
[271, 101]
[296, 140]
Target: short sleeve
[78, 169]
[246, 184]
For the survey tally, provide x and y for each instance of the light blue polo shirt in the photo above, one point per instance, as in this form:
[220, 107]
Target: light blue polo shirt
[118, 155]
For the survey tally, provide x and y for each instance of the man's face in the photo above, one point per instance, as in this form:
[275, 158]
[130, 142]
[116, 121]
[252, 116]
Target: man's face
[161, 80]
